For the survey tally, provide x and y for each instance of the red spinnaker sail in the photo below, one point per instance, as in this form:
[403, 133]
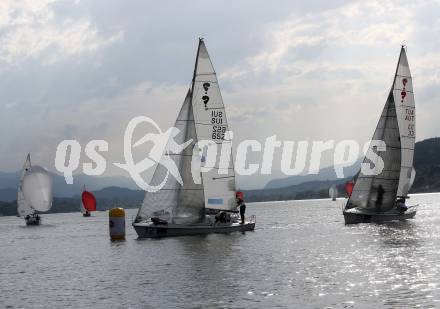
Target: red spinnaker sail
[349, 187]
[89, 201]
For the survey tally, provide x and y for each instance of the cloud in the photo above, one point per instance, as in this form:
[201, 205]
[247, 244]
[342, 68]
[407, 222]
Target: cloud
[31, 30]
[311, 70]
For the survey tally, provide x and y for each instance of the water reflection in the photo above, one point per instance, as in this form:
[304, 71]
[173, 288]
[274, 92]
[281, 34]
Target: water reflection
[213, 262]
[301, 255]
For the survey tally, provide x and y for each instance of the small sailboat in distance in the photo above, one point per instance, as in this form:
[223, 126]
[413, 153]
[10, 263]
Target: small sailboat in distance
[194, 207]
[382, 197]
[34, 192]
[333, 192]
[88, 202]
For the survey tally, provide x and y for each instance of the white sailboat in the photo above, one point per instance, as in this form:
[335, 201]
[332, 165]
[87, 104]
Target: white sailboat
[34, 192]
[382, 197]
[194, 208]
[333, 192]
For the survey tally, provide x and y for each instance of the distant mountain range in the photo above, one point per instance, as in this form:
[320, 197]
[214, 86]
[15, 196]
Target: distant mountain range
[106, 198]
[426, 163]
[323, 175]
[302, 191]
[9, 182]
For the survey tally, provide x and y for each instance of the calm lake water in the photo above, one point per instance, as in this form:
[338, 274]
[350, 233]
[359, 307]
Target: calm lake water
[301, 255]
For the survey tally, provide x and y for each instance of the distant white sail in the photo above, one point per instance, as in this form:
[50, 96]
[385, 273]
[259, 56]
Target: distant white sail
[23, 208]
[37, 188]
[396, 128]
[333, 192]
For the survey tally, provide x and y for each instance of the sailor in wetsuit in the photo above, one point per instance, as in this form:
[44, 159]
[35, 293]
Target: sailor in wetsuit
[242, 207]
[401, 205]
[379, 199]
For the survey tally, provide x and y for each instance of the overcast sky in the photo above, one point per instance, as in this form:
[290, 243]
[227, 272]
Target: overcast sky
[304, 70]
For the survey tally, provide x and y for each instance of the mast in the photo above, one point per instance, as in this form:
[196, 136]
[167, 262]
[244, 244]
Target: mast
[195, 69]
[192, 108]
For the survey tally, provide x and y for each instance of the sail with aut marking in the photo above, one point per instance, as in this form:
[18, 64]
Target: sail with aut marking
[405, 108]
[396, 127]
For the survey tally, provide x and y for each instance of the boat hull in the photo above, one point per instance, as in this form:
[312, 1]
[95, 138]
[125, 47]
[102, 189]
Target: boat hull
[33, 220]
[151, 230]
[355, 216]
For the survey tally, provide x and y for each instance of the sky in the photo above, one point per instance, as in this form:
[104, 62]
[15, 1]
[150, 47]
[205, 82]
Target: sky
[301, 70]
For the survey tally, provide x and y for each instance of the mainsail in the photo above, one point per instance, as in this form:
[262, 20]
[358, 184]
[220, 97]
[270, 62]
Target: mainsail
[202, 117]
[23, 208]
[405, 109]
[212, 124]
[396, 128]
[333, 192]
[34, 189]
